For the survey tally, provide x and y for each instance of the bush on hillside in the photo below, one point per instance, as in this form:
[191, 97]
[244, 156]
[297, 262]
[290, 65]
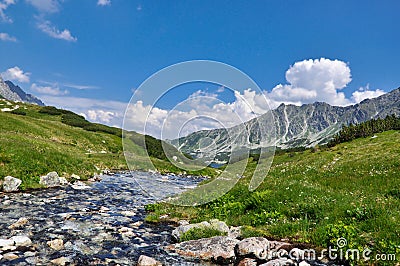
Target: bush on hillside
[18, 112]
[50, 110]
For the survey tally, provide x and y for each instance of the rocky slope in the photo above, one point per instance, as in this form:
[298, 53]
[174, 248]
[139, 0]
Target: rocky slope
[295, 126]
[12, 92]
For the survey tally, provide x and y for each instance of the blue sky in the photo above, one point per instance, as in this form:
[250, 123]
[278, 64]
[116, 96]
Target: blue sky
[89, 55]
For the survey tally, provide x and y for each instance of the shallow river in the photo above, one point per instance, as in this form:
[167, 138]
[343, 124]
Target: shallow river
[99, 226]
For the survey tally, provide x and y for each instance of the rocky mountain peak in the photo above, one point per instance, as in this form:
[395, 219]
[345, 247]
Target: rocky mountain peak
[12, 92]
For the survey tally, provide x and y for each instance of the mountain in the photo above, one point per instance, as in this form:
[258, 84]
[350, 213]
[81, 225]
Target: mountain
[12, 92]
[295, 126]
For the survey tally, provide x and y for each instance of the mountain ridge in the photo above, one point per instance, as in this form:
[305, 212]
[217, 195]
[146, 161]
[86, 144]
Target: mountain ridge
[15, 93]
[306, 125]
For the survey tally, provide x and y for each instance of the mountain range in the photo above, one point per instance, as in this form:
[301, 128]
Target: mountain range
[294, 126]
[12, 92]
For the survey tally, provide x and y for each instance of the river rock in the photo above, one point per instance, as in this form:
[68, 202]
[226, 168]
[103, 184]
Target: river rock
[50, 180]
[10, 256]
[6, 243]
[214, 224]
[21, 241]
[76, 177]
[63, 181]
[147, 261]
[247, 262]
[79, 185]
[56, 244]
[253, 247]
[60, 261]
[279, 262]
[19, 224]
[219, 249]
[11, 184]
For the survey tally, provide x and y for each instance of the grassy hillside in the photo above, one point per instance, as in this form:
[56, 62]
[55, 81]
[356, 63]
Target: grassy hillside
[36, 140]
[316, 196]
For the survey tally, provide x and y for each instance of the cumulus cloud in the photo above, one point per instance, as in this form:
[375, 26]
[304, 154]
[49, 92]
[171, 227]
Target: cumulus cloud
[104, 2]
[49, 90]
[99, 111]
[3, 7]
[45, 6]
[100, 115]
[16, 74]
[314, 80]
[46, 27]
[365, 93]
[7, 38]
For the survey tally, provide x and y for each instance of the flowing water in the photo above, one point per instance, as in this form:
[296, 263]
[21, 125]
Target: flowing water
[103, 225]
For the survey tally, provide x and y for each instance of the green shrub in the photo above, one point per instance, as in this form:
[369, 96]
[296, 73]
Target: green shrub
[74, 120]
[198, 233]
[50, 110]
[18, 112]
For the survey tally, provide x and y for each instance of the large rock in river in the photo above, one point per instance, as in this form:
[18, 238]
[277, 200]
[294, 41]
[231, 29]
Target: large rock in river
[51, 180]
[218, 249]
[11, 184]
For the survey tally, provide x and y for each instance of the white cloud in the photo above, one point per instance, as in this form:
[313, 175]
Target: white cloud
[48, 90]
[365, 93]
[104, 2]
[7, 38]
[100, 111]
[16, 74]
[80, 87]
[101, 115]
[314, 80]
[201, 111]
[45, 6]
[3, 7]
[46, 27]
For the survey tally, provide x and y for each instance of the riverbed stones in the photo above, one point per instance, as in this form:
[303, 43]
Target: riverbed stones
[21, 241]
[79, 185]
[6, 243]
[50, 180]
[11, 184]
[10, 256]
[19, 224]
[56, 244]
[253, 247]
[219, 249]
[147, 261]
[213, 224]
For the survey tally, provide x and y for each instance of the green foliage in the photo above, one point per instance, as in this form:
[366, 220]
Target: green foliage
[365, 129]
[198, 233]
[50, 110]
[333, 232]
[74, 120]
[18, 112]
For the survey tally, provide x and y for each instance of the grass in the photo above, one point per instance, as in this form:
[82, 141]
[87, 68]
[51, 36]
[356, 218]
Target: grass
[317, 196]
[35, 141]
